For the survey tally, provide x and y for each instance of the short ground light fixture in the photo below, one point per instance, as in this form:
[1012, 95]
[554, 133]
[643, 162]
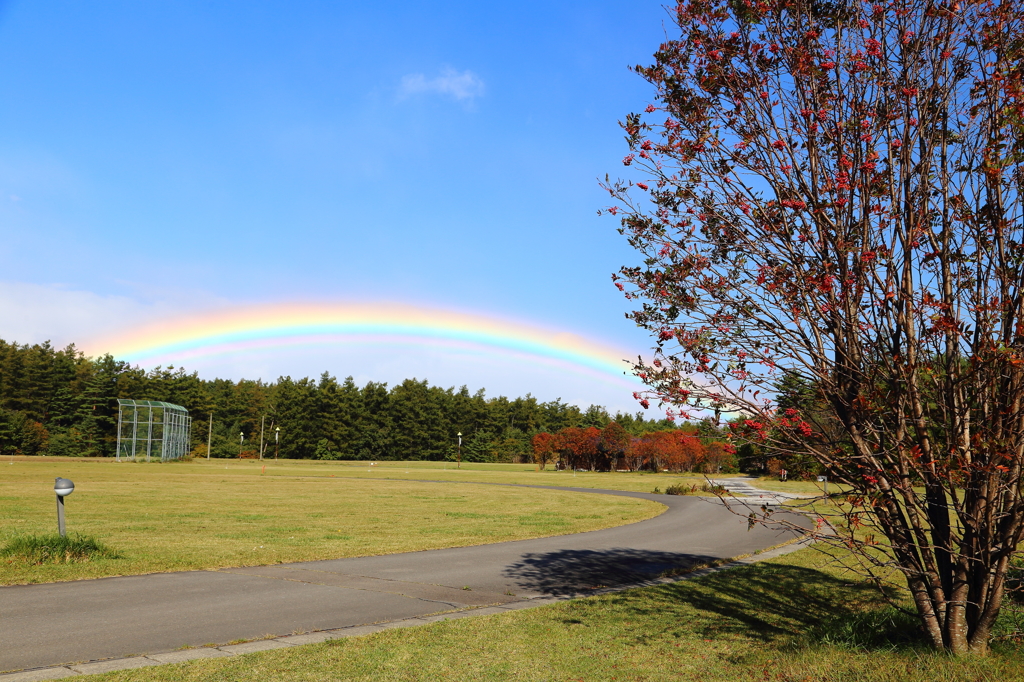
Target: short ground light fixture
[63, 487]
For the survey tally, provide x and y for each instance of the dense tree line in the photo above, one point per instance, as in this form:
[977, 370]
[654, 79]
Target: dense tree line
[60, 402]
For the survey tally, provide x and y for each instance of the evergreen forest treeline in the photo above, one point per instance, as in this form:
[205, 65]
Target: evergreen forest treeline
[62, 403]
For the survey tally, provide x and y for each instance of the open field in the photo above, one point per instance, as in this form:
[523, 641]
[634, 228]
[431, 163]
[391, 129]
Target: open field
[193, 515]
[527, 474]
[796, 618]
[522, 474]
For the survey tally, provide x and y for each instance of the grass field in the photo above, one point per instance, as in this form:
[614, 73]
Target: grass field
[796, 618]
[526, 474]
[793, 619]
[192, 515]
[522, 474]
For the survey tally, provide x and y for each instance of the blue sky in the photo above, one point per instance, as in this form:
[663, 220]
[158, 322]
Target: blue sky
[162, 158]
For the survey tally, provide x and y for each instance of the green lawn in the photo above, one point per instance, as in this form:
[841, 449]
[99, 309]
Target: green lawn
[182, 516]
[524, 474]
[792, 619]
[796, 618]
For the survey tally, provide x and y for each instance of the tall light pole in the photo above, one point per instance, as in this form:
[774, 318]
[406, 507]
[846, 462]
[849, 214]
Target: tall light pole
[241, 439]
[459, 465]
[262, 420]
[277, 442]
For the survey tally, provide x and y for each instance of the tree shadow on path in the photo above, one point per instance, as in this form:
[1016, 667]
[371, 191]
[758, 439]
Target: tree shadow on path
[569, 572]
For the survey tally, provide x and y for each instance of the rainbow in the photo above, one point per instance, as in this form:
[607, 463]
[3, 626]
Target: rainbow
[283, 325]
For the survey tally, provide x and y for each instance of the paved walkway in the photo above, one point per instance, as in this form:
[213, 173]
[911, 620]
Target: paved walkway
[743, 488]
[58, 624]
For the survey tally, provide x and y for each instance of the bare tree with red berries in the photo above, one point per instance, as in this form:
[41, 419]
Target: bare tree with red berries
[831, 195]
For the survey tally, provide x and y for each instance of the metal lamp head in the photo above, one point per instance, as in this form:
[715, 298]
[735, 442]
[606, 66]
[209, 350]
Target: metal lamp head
[63, 487]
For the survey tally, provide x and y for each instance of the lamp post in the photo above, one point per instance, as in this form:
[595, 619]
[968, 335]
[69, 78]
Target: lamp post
[241, 439]
[63, 487]
[263, 419]
[277, 442]
[459, 465]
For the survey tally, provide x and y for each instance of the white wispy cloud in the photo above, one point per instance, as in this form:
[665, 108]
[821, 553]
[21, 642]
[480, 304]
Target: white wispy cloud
[33, 313]
[465, 86]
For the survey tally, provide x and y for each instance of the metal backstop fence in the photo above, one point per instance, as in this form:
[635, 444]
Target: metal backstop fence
[151, 428]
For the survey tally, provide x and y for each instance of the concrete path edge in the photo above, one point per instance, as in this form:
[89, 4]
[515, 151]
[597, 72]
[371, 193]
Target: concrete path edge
[184, 655]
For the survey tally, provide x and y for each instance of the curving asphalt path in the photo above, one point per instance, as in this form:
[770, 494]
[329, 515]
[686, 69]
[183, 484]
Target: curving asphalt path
[88, 620]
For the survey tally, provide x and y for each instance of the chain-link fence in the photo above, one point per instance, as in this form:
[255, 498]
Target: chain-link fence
[151, 429]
